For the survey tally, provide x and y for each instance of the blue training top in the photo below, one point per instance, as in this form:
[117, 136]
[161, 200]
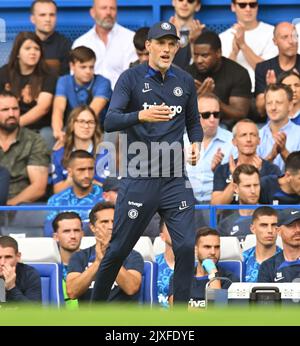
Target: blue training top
[60, 173]
[277, 269]
[140, 88]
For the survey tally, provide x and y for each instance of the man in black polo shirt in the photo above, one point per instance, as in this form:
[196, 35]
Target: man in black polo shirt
[226, 78]
[56, 46]
[285, 266]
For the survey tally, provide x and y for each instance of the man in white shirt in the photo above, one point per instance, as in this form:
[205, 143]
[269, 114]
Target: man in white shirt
[216, 148]
[279, 137]
[111, 42]
[248, 41]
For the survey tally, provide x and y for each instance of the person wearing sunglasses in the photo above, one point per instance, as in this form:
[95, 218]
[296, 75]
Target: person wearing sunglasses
[240, 42]
[268, 71]
[226, 78]
[216, 141]
[187, 27]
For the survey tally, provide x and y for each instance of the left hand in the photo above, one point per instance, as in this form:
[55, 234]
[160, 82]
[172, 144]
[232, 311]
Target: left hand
[195, 30]
[208, 85]
[280, 140]
[257, 162]
[9, 274]
[193, 154]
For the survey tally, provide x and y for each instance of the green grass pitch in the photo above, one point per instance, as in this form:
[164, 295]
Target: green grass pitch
[144, 316]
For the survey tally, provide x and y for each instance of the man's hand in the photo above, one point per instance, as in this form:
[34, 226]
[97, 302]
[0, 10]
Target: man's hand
[257, 162]
[103, 236]
[232, 164]
[239, 34]
[207, 86]
[235, 49]
[195, 30]
[270, 77]
[273, 153]
[280, 140]
[193, 154]
[175, 22]
[99, 251]
[155, 114]
[59, 135]
[9, 274]
[217, 159]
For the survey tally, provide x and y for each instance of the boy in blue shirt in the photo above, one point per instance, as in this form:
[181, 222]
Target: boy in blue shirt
[81, 88]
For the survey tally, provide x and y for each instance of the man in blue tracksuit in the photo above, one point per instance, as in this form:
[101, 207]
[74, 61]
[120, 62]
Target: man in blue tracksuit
[285, 265]
[152, 104]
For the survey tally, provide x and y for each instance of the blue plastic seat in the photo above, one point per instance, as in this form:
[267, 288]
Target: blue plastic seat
[51, 280]
[148, 291]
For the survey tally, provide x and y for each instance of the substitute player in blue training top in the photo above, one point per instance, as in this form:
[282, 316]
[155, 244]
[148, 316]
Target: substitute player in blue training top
[152, 104]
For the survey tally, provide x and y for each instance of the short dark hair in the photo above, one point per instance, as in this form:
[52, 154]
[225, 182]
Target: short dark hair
[65, 215]
[205, 231]
[43, 2]
[82, 54]
[280, 86]
[292, 163]
[80, 154]
[98, 207]
[263, 211]
[210, 38]
[6, 93]
[7, 241]
[243, 169]
[140, 37]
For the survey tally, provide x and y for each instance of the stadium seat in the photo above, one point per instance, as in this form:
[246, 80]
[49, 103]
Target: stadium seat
[51, 280]
[234, 266]
[148, 291]
[22, 231]
[39, 250]
[145, 248]
[87, 242]
[250, 241]
[230, 249]
[158, 246]
[25, 223]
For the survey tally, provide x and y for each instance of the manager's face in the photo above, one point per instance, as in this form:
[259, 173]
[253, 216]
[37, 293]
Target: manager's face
[162, 52]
